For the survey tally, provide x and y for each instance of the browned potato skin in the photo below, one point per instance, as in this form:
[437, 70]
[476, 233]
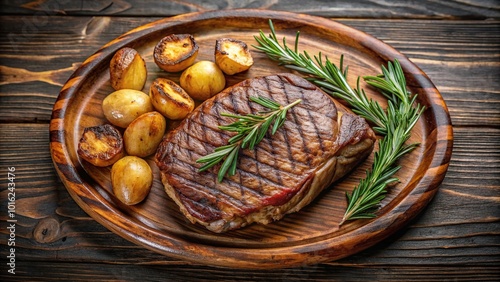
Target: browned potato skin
[175, 52]
[143, 135]
[203, 80]
[101, 145]
[170, 99]
[232, 56]
[131, 179]
[127, 70]
[123, 106]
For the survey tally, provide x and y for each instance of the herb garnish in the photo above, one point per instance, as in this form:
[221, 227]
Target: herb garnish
[251, 129]
[394, 123]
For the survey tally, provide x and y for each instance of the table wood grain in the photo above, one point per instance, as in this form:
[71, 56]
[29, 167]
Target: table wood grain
[456, 238]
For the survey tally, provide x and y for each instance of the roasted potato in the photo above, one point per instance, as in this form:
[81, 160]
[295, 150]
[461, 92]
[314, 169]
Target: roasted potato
[131, 179]
[101, 145]
[203, 80]
[127, 70]
[232, 56]
[143, 135]
[123, 106]
[175, 52]
[170, 99]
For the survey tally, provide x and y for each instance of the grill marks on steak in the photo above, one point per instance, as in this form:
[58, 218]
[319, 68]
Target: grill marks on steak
[283, 173]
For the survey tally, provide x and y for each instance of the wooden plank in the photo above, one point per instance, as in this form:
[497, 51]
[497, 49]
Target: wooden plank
[63, 271]
[460, 226]
[459, 65]
[345, 9]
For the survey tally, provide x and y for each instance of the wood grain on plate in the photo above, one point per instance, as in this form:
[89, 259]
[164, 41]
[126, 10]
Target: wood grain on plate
[309, 236]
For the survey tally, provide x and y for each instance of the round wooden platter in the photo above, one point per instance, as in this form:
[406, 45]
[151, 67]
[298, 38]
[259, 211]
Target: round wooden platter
[310, 236]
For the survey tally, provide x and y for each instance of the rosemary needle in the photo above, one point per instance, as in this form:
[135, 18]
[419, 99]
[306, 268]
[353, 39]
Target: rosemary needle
[394, 123]
[250, 129]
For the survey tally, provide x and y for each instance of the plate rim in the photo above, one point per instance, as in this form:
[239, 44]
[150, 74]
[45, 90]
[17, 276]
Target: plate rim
[222, 255]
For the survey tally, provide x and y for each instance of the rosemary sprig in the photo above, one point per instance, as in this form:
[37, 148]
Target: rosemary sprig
[250, 129]
[394, 123]
[325, 74]
[401, 118]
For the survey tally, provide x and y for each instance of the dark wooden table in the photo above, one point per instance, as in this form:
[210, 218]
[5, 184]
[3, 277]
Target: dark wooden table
[456, 238]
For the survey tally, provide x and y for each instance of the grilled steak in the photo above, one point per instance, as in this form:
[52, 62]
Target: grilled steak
[319, 143]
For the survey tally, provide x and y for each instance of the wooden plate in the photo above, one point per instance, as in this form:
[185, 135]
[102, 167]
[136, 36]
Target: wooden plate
[309, 236]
